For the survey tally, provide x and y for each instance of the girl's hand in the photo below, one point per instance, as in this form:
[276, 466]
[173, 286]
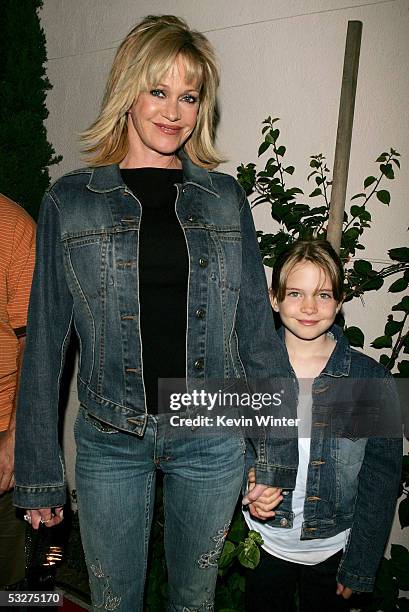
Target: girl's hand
[44, 515]
[261, 499]
[345, 592]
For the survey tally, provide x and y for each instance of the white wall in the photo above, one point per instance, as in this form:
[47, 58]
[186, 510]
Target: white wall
[282, 58]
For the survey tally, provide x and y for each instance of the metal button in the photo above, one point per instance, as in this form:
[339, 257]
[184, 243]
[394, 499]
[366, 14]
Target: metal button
[200, 313]
[203, 263]
[191, 218]
[285, 492]
[283, 522]
[199, 364]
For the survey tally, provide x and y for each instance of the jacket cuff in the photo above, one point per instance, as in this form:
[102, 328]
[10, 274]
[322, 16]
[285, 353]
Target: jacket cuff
[360, 584]
[275, 475]
[39, 497]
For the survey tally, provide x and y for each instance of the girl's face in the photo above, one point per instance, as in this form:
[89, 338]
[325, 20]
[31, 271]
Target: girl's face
[309, 308]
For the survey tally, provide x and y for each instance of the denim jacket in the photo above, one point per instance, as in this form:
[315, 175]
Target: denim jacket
[352, 480]
[86, 277]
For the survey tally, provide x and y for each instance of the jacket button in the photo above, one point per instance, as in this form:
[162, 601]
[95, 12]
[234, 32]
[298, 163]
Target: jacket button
[200, 313]
[203, 263]
[191, 218]
[285, 492]
[199, 364]
[283, 522]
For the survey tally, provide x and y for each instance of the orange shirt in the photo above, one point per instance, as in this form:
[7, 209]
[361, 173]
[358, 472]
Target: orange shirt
[17, 251]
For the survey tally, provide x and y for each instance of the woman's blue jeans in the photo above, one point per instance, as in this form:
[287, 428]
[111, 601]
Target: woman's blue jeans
[115, 479]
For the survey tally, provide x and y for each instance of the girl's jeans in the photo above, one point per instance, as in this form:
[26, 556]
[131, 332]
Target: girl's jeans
[115, 480]
[272, 585]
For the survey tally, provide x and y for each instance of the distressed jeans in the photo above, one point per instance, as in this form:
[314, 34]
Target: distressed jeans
[115, 479]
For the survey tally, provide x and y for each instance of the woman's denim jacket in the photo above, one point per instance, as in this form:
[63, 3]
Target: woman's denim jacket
[86, 276]
[354, 472]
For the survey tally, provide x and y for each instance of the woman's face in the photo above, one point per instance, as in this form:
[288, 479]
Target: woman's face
[162, 119]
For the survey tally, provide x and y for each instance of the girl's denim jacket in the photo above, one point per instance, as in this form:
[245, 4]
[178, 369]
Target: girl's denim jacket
[355, 461]
[86, 277]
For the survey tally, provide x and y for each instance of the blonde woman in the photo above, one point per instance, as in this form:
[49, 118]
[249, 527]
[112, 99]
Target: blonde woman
[152, 258]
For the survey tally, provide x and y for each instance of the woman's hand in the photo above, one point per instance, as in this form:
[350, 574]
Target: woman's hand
[49, 517]
[261, 499]
[344, 591]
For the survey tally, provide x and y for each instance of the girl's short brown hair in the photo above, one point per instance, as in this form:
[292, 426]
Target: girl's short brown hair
[318, 252]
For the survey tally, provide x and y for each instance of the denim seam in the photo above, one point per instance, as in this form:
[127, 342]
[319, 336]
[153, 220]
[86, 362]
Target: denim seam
[68, 254]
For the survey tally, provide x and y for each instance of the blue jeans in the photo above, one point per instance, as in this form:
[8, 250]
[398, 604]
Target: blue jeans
[115, 479]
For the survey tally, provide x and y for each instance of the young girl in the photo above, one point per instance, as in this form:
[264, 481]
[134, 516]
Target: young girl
[325, 538]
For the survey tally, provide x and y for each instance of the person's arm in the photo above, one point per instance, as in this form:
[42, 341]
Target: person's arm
[264, 359]
[39, 467]
[7, 437]
[378, 483]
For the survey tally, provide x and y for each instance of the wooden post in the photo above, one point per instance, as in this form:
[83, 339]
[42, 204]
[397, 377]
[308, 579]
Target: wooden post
[344, 133]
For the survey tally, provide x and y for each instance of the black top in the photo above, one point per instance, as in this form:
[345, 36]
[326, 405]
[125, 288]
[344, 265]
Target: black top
[163, 277]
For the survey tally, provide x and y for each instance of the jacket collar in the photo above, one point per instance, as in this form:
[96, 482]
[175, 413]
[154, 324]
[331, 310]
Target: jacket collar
[108, 178]
[340, 361]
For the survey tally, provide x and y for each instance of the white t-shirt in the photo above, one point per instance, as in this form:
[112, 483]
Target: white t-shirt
[285, 543]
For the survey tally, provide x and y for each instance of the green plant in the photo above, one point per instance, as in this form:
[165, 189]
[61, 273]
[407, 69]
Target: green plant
[25, 153]
[298, 219]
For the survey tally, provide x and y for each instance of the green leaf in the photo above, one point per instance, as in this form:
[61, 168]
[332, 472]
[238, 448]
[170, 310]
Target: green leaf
[403, 305]
[383, 196]
[397, 162]
[229, 552]
[358, 195]
[383, 157]
[386, 361]
[355, 336]
[289, 169]
[400, 565]
[403, 512]
[315, 193]
[393, 327]
[399, 285]
[399, 254]
[387, 170]
[263, 147]
[255, 536]
[281, 150]
[356, 211]
[362, 267]
[314, 163]
[382, 342]
[249, 555]
[369, 180]
[403, 368]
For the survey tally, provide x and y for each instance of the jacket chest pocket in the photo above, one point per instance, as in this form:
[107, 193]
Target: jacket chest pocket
[87, 262]
[228, 246]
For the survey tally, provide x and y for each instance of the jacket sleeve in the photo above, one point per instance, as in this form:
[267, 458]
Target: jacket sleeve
[264, 359]
[378, 483]
[39, 468]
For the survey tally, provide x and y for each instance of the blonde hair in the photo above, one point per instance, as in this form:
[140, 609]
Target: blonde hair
[317, 251]
[143, 58]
